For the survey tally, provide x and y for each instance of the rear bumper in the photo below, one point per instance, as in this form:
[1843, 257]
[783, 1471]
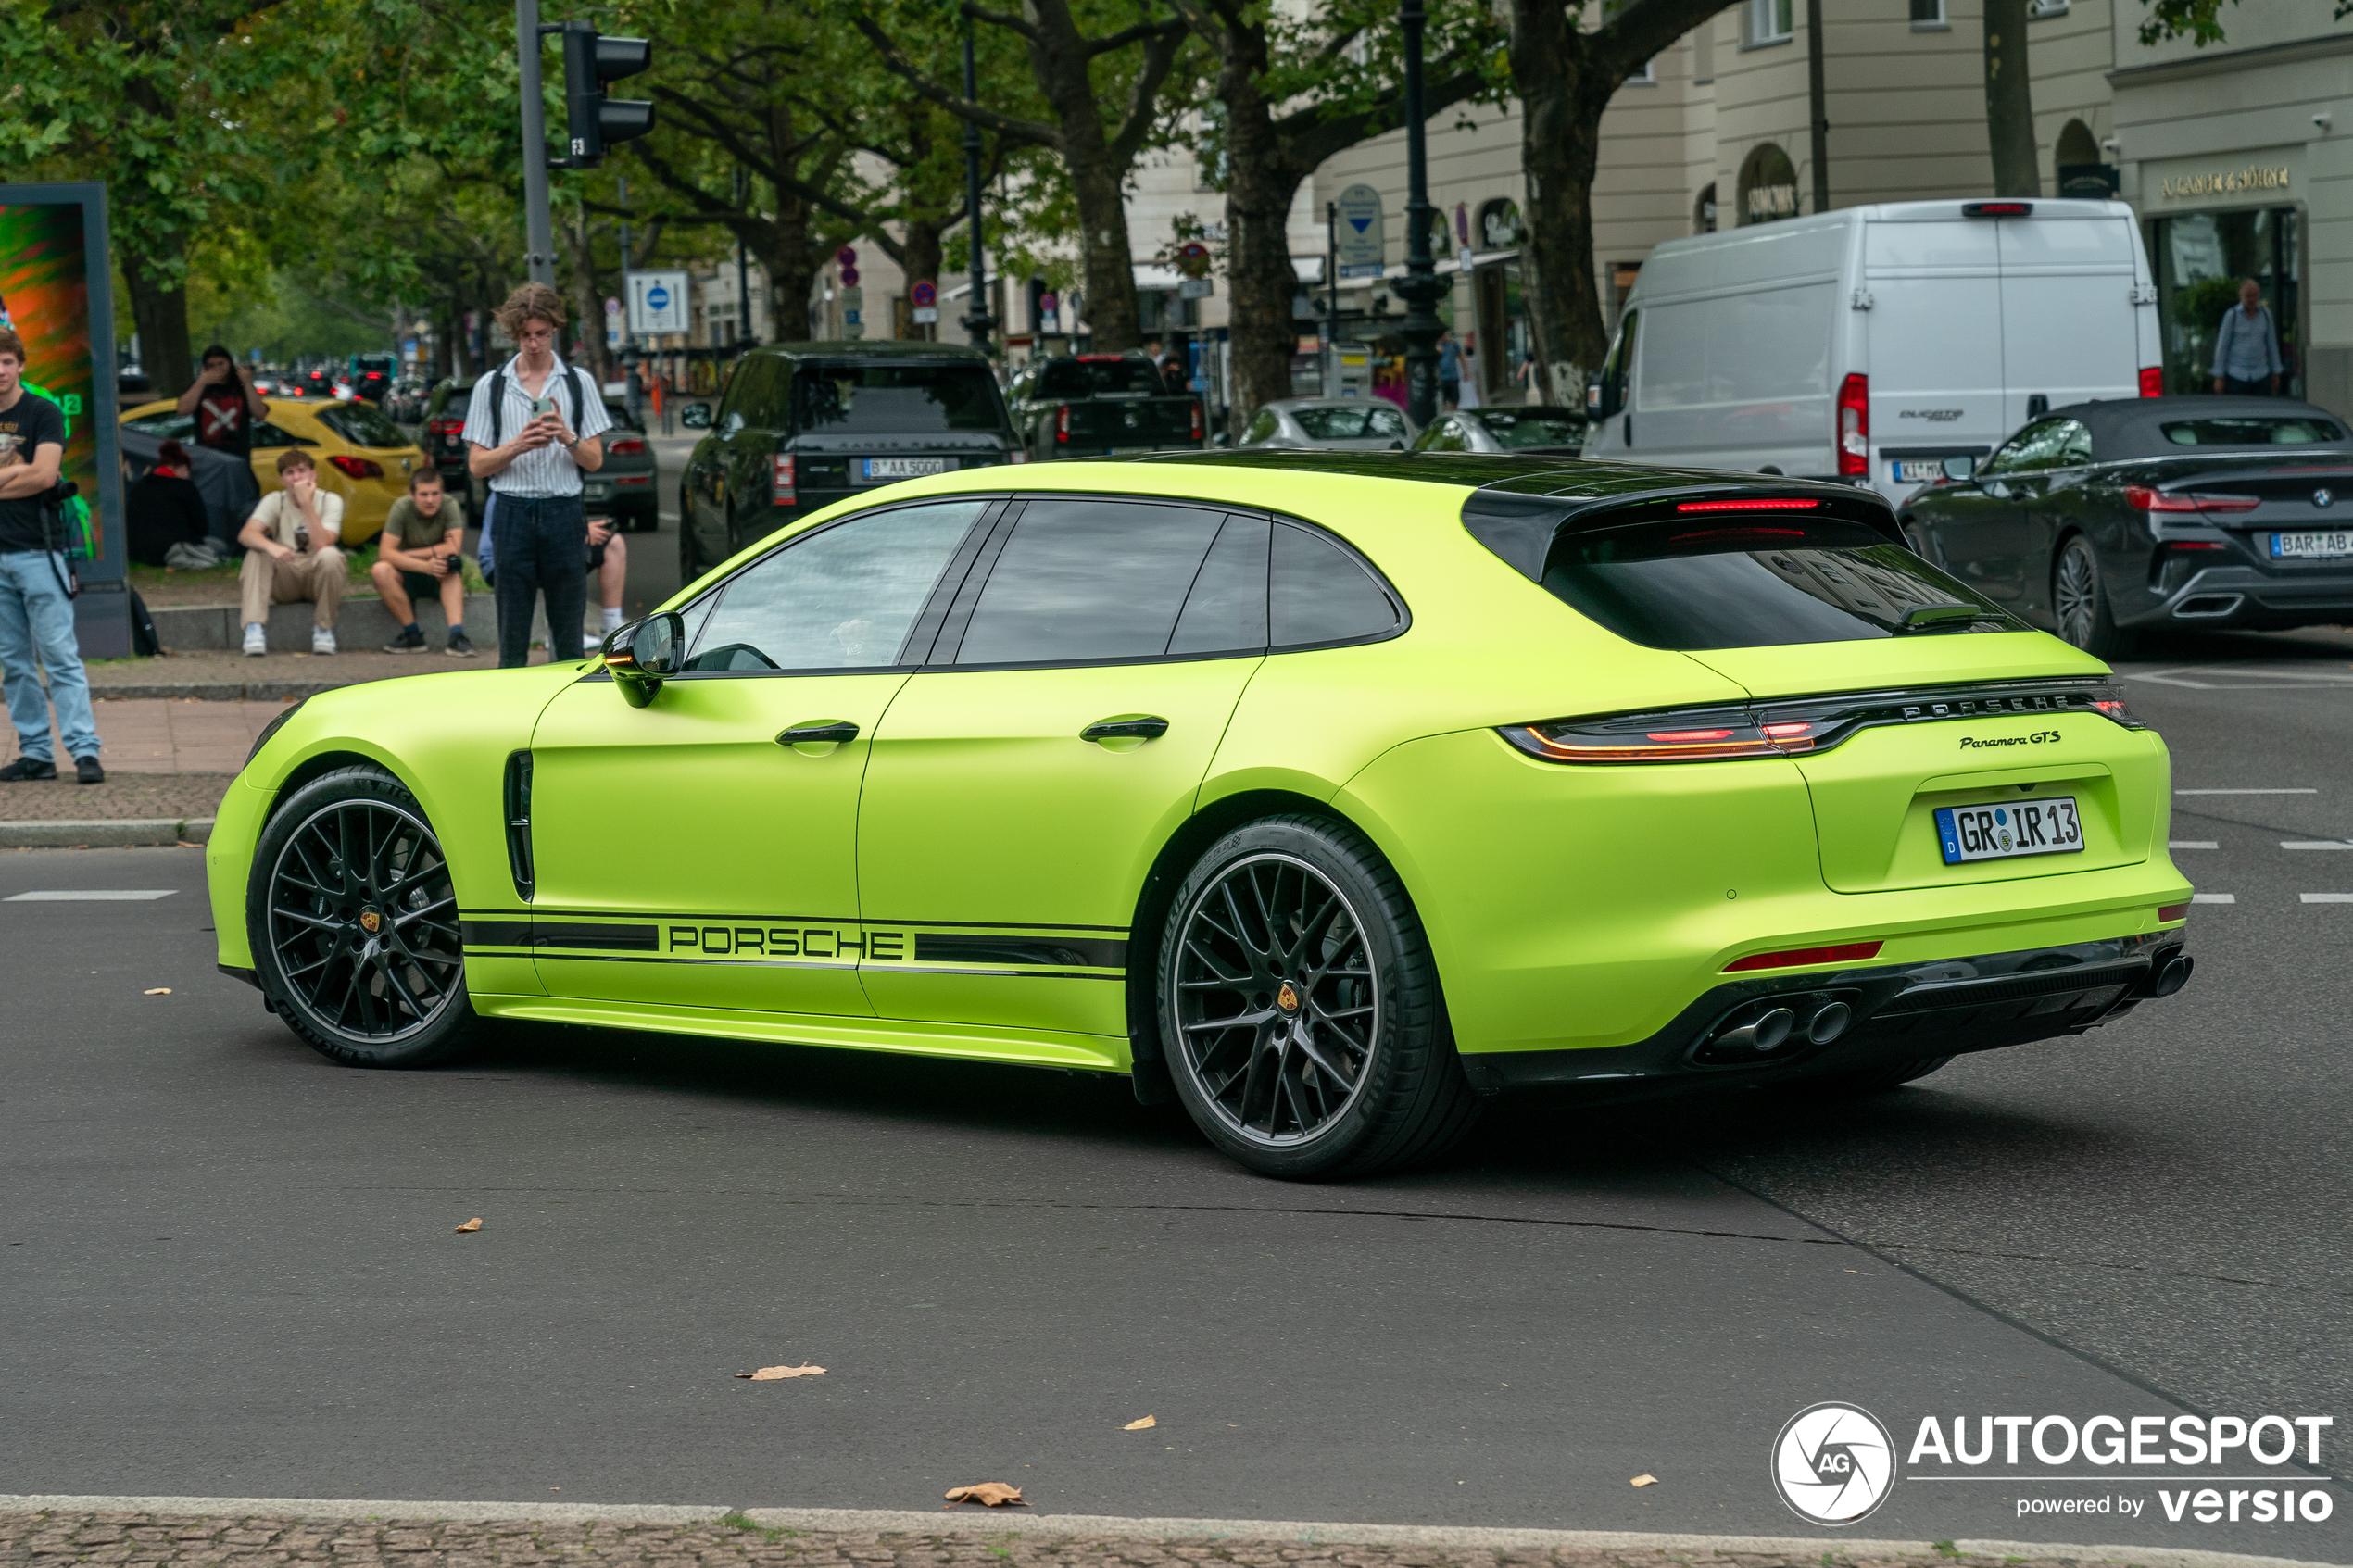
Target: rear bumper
[2250, 597]
[1900, 1011]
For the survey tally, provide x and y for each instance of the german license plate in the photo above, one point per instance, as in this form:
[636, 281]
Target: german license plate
[2310, 544]
[901, 468]
[1917, 470]
[597, 490]
[1131, 451]
[2007, 828]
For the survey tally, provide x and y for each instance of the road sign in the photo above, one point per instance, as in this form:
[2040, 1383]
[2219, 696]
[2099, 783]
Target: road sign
[849, 277]
[657, 303]
[1195, 288]
[923, 293]
[924, 315]
[1363, 241]
[1194, 260]
[847, 255]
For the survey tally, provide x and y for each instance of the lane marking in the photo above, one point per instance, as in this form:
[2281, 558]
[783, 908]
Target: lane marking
[2326, 898]
[2214, 897]
[2191, 843]
[91, 896]
[2246, 792]
[2314, 844]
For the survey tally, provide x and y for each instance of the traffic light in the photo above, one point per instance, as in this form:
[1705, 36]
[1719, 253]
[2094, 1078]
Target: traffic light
[596, 121]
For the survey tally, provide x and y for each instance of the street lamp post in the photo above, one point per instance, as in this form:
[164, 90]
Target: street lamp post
[977, 320]
[1419, 287]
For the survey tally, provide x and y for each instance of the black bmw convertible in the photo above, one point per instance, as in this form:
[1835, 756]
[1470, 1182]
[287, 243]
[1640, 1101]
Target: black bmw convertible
[2100, 520]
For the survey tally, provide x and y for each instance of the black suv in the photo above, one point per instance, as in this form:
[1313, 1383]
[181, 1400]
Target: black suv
[1101, 405]
[802, 425]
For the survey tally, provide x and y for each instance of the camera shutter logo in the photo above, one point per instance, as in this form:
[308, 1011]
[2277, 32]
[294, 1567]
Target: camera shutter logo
[1833, 1463]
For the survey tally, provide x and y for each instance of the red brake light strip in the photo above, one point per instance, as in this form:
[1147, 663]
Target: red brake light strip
[1761, 504]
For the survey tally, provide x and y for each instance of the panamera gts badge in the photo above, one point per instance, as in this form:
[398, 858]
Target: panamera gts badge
[2323, 497]
[1286, 998]
[369, 921]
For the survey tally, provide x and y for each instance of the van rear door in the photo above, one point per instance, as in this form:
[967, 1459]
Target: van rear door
[2069, 332]
[1935, 287]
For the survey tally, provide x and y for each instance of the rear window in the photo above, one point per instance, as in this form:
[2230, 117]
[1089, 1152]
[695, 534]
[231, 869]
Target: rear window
[1372, 420]
[2252, 430]
[1692, 585]
[363, 424]
[894, 399]
[1516, 428]
[1096, 378]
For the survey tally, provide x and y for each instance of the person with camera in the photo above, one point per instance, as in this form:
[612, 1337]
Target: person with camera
[291, 554]
[36, 609]
[533, 427]
[223, 403]
[417, 557]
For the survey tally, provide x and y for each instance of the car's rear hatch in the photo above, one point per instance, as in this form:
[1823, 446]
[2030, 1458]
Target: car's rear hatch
[1117, 424]
[862, 423]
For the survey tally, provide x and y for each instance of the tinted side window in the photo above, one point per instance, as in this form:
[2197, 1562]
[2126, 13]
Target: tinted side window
[1262, 427]
[1316, 593]
[2028, 450]
[1226, 610]
[1084, 580]
[843, 598]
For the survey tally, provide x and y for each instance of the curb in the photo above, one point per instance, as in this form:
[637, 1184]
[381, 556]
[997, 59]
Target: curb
[212, 691]
[1024, 1523]
[121, 832]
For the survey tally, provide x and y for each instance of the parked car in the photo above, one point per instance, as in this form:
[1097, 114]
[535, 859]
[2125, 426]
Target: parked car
[1101, 405]
[627, 487]
[444, 434]
[1328, 791]
[2102, 518]
[360, 455]
[1515, 427]
[1874, 343]
[803, 425]
[1331, 424]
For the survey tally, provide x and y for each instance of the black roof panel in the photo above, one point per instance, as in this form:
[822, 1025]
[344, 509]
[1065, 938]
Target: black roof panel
[1525, 473]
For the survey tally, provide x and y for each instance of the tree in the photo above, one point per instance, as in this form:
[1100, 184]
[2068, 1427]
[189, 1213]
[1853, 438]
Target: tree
[2199, 21]
[1565, 78]
[2009, 101]
[1097, 148]
[1294, 92]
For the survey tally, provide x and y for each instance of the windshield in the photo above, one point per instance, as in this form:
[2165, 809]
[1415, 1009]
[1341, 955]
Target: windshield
[894, 399]
[1516, 428]
[1351, 422]
[363, 424]
[2252, 430]
[1097, 378]
[1688, 584]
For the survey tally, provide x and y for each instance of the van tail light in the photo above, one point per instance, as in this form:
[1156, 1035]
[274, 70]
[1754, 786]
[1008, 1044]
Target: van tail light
[1843, 952]
[1196, 422]
[2143, 498]
[627, 447]
[1854, 427]
[357, 467]
[1061, 425]
[1997, 209]
[784, 494]
[2152, 381]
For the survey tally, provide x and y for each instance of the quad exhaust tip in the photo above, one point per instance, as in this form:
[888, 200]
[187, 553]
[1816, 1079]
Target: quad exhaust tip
[1782, 1024]
[2172, 975]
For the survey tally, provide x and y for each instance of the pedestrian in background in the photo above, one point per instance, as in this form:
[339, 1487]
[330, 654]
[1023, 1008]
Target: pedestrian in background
[1450, 370]
[532, 426]
[223, 404]
[2247, 348]
[36, 611]
[165, 515]
[291, 556]
[419, 556]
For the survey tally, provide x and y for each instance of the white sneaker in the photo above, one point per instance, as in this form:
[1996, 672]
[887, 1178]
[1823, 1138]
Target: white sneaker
[256, 640]
[322, 639]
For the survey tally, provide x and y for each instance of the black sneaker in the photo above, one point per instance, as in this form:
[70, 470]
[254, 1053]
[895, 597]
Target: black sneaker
[461, 645]
[411, 640]
[86, 770]
[25, 768]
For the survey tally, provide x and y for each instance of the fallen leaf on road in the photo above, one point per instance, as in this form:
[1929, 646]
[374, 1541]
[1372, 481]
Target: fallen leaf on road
[473, 1224]
[994, 1494]
[770, 1374]
[1643, 1481]
[1140, 1426]
[160, 990]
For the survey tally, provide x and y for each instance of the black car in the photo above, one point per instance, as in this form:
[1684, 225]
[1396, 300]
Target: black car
[802, 425]
[2100, 518]
[1102, 406]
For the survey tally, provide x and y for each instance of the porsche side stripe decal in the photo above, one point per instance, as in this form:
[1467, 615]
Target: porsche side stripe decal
[798, 944]
[821, 920]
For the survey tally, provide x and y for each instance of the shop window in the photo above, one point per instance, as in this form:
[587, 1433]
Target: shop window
[1704, 211]
[2201, 259]
[1766, 21]
[1498, 224]
[1769, 185]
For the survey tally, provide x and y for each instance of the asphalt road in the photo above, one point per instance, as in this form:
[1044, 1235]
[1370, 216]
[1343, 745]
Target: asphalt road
[227, 1268]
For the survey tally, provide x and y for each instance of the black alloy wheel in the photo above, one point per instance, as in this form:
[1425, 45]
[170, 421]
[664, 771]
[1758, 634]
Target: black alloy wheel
[1301, 1015]
[354, 923]
[2079, 602]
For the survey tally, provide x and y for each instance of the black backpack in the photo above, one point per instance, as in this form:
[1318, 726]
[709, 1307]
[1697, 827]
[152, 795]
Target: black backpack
[499, 401]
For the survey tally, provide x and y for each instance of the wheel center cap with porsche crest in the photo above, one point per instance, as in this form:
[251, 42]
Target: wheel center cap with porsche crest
[371, 922]
[1287, 998]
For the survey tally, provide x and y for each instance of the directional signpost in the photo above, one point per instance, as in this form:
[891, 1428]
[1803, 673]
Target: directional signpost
[1362, 244]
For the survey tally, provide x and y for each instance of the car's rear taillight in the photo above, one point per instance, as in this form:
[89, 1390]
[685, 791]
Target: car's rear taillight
[1760, 504]
[2173, 911]
[2152, 381]
[2144, 498]
[357, 467]
[1854, 427]
[1842, 952]
[1062, 424]
[783, 493]
[627, 447]
[445, 427]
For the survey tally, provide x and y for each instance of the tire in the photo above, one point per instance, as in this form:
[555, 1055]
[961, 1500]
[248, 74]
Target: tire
[1873, 1079]
[1261, 1043]
[392, 995]
[2079, 602]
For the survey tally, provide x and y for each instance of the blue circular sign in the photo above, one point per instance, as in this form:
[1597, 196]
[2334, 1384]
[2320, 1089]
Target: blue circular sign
[657, 298]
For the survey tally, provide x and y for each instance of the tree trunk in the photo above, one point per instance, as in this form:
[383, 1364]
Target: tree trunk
[1262, 181]
[2009, 101]
[787, 249]
[1560, 144]
[1058, 59]
[588, 300]
[160, 316]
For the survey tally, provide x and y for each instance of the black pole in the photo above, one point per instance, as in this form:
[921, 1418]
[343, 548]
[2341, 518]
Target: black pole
[977, 320]
[1331, 299]
[743, 267]
[1419, 287]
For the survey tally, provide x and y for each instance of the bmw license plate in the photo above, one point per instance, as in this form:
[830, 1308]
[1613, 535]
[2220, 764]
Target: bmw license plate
[2006, 829]
[597, 490]
[1917, 470]
[2310, 544]
[901, 468]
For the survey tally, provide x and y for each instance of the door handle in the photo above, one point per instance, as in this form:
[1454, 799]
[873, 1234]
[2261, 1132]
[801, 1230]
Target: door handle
[824, 733]
[1147, 728]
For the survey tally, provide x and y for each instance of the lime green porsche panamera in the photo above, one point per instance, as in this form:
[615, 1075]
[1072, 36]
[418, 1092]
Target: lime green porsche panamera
[1329, 792]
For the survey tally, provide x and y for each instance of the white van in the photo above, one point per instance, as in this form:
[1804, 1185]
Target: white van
[1874, 343]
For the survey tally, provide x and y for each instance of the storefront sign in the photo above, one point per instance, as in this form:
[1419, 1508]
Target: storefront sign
[2251, 178]
[2266, 176]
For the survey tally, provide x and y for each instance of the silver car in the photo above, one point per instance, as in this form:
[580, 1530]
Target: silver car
[1330, 424]
[1509, 428]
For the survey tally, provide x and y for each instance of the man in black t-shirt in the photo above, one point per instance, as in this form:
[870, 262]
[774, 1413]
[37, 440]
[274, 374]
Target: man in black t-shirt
[224, 403]
[36, 615]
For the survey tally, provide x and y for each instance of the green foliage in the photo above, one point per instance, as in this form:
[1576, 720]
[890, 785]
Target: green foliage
[2200, 21]
[2202, 303]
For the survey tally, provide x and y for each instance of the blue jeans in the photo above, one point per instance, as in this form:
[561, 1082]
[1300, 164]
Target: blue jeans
[36, 634]
[542, 549]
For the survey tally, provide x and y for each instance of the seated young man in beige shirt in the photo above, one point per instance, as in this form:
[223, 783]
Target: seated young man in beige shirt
[291, 554]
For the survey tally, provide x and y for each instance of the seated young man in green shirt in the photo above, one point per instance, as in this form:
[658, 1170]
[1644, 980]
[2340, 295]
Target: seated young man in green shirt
[417, 558]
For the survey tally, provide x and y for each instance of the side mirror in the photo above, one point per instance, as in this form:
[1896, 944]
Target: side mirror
[695, 416]
[641, 655]
[1958, 469]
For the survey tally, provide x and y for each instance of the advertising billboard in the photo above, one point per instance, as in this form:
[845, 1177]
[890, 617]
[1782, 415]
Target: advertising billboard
[56, 293]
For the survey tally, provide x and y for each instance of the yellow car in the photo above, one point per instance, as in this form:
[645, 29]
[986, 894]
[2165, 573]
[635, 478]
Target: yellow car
[362, 456]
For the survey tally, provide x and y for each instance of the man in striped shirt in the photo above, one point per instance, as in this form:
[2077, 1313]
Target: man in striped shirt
[534, 456]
